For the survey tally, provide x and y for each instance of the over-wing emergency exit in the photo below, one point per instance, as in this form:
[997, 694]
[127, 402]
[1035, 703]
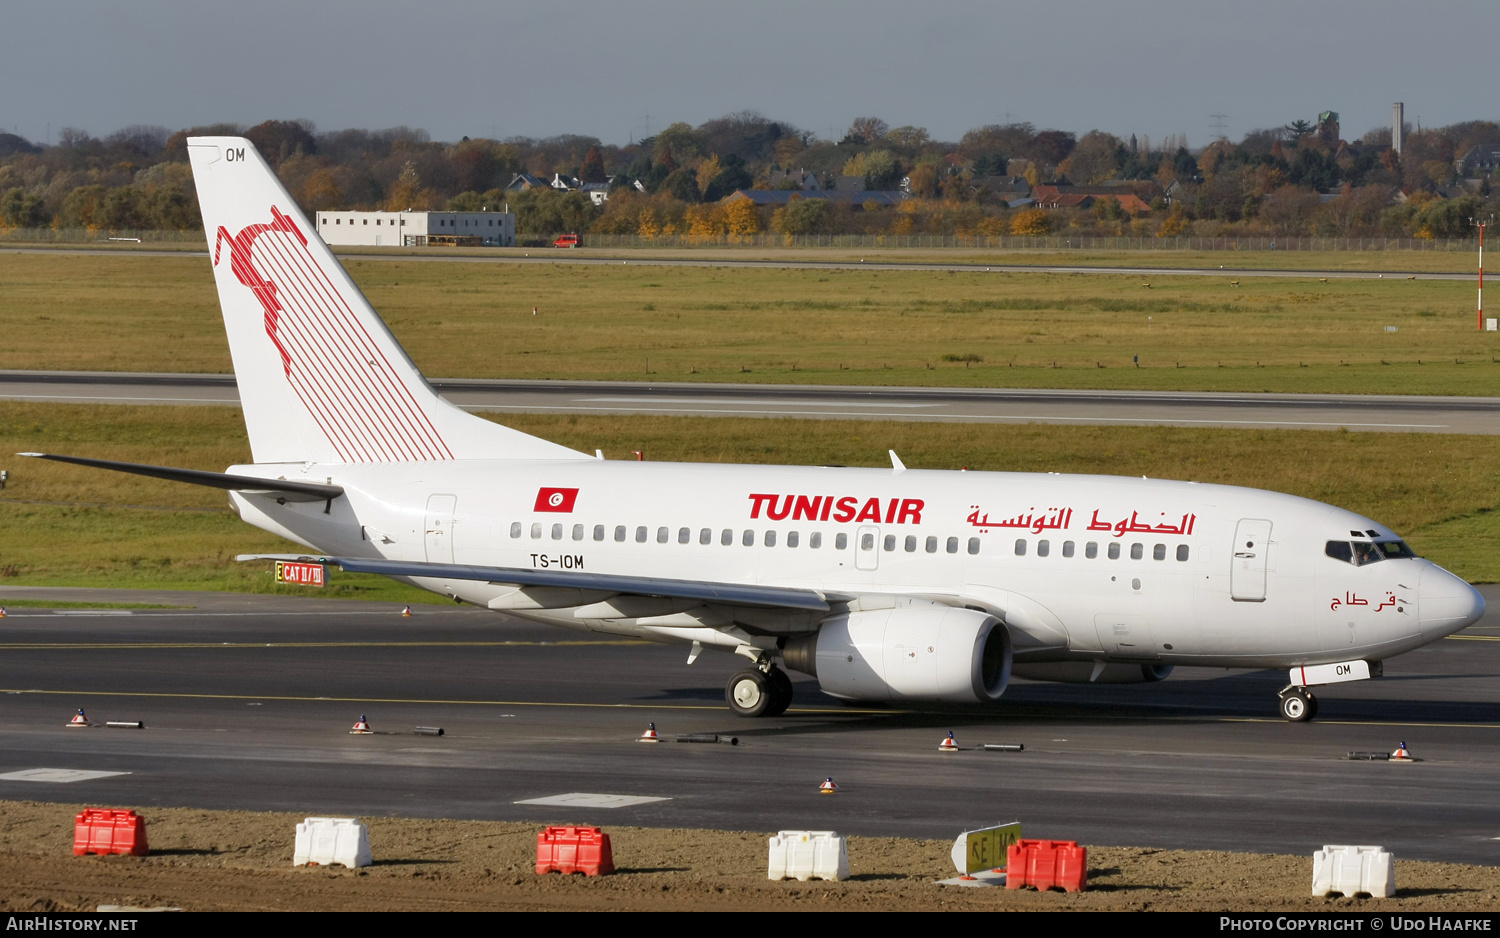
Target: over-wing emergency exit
[884, 584]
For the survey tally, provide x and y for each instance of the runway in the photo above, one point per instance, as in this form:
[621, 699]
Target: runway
[1376, 413]
[247, 703]
[551, 256]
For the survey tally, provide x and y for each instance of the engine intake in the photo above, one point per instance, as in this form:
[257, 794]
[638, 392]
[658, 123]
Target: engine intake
[911, 653]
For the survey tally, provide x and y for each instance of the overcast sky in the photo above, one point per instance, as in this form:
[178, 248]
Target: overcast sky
[613, 69]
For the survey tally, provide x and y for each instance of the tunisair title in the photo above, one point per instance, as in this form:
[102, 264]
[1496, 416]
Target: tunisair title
[843, 510]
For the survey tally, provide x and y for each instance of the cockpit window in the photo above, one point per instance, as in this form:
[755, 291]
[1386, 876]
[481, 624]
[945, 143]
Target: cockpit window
[1360, 553]
[1395, 550]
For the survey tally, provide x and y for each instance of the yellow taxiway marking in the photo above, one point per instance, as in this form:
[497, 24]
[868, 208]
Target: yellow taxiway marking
[404, 700]
[69, 646]
[1473, 638]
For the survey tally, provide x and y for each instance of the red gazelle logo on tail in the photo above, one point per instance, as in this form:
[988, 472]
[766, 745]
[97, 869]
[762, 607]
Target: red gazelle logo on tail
[336, 366]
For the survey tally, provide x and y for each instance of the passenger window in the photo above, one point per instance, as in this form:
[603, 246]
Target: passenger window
[684, 535]
[598, 532]
[748, 539]
[662, 535]
[557, 532]
[640, 534]
[706, 536]
[577, 532]
[1159, 552]
[911, 543]
[515, 529]
[1020, 547]
[1182, 552]
[1114, 551]
[973, 545]
[890, 543]
[1091, 549]
[536, 530]
[727, 537]
[1067, 548]
[815, 540]
[770, 539]
[1043, 548]
[1137, 551]
[619, 532]
[791, 538]
[841, 542]
[866, 541]
[952, 545]
[932, 545]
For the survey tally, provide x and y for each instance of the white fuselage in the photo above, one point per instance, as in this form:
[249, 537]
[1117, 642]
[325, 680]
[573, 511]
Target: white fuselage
[1094, 568]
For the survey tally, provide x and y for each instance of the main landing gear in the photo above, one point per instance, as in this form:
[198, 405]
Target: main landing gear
[757, 693]
[1298, 704]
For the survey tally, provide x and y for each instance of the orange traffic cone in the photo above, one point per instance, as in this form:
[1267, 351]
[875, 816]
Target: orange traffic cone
[79, 719]
[362, 728]
[1400, 755]
[948, 745]
[406, 612]
[828, 787]
[649, 736]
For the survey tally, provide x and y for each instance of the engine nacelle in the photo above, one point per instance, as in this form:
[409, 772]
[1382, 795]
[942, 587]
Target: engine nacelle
[910, 653]
[1082, 672]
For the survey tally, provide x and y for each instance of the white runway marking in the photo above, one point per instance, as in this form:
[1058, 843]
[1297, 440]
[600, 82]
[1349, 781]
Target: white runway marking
[62, 776]
[583, 799]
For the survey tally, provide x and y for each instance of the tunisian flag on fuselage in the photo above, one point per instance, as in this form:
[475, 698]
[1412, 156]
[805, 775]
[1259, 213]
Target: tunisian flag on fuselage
[555, 499]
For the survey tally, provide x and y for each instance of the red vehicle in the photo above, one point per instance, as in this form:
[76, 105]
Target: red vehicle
[568, 241]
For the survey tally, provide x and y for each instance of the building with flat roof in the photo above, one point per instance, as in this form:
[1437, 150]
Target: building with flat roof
[400, 229]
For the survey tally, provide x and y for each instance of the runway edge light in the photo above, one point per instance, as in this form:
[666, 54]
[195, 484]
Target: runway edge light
[361, 727]
[79, 719]
[828, 787]
[948, 745]
[649, 736]
[1402, 754]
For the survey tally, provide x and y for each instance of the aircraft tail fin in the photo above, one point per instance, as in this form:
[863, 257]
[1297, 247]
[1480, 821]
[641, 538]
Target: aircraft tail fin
[321, 378]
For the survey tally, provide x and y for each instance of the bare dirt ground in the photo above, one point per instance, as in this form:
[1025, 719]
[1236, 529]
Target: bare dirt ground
[240, 860]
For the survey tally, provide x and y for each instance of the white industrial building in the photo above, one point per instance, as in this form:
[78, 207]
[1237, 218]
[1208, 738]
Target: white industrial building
[399, 229]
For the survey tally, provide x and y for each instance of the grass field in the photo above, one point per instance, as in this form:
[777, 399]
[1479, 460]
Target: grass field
[69, 526]
[141, 313]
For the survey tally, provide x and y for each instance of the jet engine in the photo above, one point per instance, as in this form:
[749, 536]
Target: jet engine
[910, 653]
[1083, 672]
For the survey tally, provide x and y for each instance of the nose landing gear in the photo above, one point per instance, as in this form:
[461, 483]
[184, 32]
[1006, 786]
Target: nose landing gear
[1298, 704]
[757, 693]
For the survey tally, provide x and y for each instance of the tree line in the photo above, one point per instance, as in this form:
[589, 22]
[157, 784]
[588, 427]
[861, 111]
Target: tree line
[1300, 178]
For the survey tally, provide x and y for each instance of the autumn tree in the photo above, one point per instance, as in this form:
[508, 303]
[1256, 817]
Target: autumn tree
[593, 167]
[866, 130]
[801, 216]
[742, 218]
[1032, 222]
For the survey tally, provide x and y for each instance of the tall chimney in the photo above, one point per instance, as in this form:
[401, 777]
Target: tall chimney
[1396, 124]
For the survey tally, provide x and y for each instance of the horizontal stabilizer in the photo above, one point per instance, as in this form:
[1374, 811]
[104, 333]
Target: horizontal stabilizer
[732, 594]
[250, 485]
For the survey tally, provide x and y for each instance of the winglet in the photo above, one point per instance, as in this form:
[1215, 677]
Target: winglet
[896, 462]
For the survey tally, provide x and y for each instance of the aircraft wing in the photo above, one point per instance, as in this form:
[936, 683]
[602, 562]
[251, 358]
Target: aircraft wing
[250, 485]
[730, 594]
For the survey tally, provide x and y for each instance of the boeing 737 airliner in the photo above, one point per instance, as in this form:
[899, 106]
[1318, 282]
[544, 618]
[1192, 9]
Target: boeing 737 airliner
[885, 584]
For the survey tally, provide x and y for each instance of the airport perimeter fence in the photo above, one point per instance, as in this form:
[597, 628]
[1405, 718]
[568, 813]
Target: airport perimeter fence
[1015, 242]
[767, 239]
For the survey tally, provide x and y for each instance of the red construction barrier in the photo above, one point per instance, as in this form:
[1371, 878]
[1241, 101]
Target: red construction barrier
[574, 850]
[1047, 864]
[106, 830]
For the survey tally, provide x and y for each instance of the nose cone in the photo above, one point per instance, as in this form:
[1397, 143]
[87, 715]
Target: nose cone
[1446, 603]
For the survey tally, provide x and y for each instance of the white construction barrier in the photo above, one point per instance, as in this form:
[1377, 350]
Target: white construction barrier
[804, 855]
[1349, 870]
[325, 841]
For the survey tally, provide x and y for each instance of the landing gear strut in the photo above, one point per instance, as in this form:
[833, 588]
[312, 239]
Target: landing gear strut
[1298, 704]
[757, 693]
